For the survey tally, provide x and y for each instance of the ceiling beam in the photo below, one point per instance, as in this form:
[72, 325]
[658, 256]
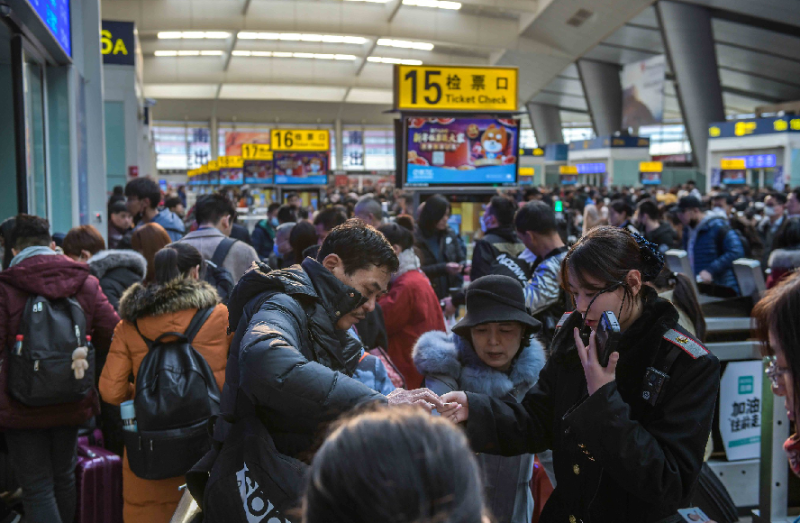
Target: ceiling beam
[246, 7]
[234, 41]
[369, 53]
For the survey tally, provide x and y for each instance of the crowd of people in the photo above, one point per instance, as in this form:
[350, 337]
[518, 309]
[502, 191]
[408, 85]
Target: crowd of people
[371, 325]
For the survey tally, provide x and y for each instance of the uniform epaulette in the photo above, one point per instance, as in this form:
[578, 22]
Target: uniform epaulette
[563, 320]
[687, 344]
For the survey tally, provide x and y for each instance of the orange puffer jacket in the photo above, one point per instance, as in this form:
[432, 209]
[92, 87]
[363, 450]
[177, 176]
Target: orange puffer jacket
[158, 309]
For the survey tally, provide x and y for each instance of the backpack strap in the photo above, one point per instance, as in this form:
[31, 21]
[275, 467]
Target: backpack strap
[197, 322]
[222, 251]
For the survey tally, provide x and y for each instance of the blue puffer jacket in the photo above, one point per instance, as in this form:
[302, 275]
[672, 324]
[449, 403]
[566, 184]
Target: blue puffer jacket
[707, 256]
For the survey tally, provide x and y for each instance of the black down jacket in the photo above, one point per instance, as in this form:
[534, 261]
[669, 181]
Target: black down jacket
[616, 457]
[286, 356]
[117, 270]
[434, 265]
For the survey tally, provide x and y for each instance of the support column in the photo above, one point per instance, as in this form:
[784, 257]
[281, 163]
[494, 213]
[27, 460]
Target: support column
[603, 91]
[546, 123]
[689, 44]
[213, 137]
[337, 130]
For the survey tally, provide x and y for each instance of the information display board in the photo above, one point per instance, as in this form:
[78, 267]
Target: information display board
[737, 177]
[231, 170]
[454, 88]
[300, 140]
[461, 151]
[568, 174]
[55, 15]
[256, 151]
[740, 409]
[650, 172]
[301, 168]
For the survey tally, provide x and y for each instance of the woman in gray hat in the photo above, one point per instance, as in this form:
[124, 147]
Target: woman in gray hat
[491, 351]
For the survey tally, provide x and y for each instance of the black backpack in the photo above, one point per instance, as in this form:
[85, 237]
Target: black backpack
[216, 274]
[176, 395]
[40, 368]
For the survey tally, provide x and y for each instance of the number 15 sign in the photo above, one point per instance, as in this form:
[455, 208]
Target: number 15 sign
[446, 88]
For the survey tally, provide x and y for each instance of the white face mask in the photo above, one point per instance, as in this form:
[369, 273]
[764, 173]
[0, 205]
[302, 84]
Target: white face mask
[769, 211]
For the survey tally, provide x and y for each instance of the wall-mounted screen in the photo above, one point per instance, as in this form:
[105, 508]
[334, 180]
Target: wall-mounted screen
[738, 177]
[258, 171]
[650, 178]
[568, 179]
[301, 168]
[55, 15]
[461, 151]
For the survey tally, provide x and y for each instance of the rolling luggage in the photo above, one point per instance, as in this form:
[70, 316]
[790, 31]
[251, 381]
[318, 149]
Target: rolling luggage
[91, 438]
[99, 486]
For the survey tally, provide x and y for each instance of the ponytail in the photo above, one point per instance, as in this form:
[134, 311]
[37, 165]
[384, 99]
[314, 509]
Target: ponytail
[175, 261]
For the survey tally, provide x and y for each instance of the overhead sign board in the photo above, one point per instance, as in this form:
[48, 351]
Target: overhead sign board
[256, 151]
[117, 43]
[230, 162]
[732, 164]
[610, 142]
[651, 167]
[300, 139]
[740, 409]
[212, 166]
[449, 88]
[568, 169]
[591, 168]
[526, 171]
[56, 16]
[740, 128]
[532, 152]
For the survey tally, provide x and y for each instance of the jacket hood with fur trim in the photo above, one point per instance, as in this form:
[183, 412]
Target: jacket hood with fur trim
[111, 259]
[153, 300]
[437, 353]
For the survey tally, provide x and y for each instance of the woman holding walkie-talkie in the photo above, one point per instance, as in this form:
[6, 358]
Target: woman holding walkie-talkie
[627, 435]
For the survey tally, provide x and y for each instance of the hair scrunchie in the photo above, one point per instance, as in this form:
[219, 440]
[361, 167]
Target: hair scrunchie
[653, 259]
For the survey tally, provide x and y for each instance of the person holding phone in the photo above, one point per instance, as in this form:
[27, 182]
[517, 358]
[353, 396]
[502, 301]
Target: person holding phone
[627, 438]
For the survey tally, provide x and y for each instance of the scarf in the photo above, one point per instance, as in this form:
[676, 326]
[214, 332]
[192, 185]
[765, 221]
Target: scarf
[30, 252]
[409, 261]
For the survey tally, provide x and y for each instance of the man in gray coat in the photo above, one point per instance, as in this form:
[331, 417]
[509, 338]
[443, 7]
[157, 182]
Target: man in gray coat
[215, 215]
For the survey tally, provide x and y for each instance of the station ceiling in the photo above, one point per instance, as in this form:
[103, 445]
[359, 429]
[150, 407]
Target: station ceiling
[307, 61]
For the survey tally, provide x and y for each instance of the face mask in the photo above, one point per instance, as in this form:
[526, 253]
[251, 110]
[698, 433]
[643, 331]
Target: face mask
[274, 221]
[693, 222]
[769, 211]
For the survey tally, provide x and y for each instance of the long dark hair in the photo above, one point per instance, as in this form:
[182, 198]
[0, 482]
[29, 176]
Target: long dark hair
[397, 235]
[175, 261]
[432, 212]
[394, 464]
[683, 297]
[777, 313]
[605, 254]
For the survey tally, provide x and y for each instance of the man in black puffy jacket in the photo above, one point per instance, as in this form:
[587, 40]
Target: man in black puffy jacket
[292, 358]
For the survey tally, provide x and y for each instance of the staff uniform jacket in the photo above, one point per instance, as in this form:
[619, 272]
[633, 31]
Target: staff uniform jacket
[451, 249]
[157, 309]
[117, 270]
[287, 358]
[449, 362]
[52, 276]
[411, 309]
[616, 457]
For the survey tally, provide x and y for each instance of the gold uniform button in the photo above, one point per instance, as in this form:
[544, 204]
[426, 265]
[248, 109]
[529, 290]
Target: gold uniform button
[576, 469]
[572, 519]
[338, 313]
[352, 295]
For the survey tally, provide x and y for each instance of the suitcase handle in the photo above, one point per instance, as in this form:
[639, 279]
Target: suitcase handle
[86, 452]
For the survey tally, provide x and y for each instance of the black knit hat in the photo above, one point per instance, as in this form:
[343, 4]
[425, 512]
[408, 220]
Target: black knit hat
[493, 299]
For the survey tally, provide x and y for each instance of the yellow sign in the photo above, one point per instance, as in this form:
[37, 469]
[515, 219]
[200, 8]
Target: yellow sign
[203, 169]
[526, 171]
[256, 151]
[444, 87]
[568, 169]
[230, 162]
[300, 139]
[213, 166]
[714, 131]
[538, 151]
[744, 128]
[651, 167]
[732, 164]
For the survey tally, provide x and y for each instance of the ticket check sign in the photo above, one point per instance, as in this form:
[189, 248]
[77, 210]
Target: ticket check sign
[300, 139]
[446, 88]
[256, 151]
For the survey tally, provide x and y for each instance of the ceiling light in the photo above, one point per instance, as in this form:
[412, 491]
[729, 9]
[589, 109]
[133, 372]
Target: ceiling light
[406, 44]
[303, 37]
[279, 54]
[440, 4]
[261, 53]
[401, 61]
[193, 35]
[302, 55]
[369, 1]
[322, 56]
[190, 53]
[241, 53]
[345, 57]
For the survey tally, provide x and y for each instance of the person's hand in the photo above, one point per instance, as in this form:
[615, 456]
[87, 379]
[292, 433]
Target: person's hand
[449, 308]
[425, 398]
[454, 268]
[456, 407]
[596, 375]
[467, 269]
[706, 277]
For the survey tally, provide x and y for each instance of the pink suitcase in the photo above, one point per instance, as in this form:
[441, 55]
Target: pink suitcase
[99, 486]
[92, 439]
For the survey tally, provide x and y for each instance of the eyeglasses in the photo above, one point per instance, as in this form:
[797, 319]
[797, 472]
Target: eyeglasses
[775, 373]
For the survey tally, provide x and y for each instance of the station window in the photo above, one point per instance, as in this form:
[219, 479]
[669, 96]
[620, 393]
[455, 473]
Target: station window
[380, 149]
[666, 139]
[170, 147]
[353, 149]
[527, 140]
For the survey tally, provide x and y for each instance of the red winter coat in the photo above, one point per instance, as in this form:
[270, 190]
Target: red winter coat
[53, 277]
[410, 309]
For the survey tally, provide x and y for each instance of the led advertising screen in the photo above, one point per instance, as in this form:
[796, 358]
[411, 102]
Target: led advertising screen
[461, 151]
[568, 179]
[301, 168]
[738, 177]
[650, 178]
[55, 15]
[258, 171]
[231, 176]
